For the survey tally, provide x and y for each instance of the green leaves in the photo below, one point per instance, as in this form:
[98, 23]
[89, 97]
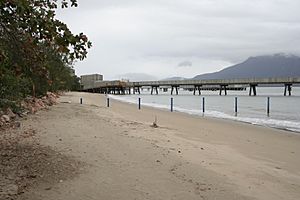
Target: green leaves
[36, 18]
[37, 47]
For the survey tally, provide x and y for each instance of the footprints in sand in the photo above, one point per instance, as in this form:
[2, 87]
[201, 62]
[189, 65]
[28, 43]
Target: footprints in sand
[166, 148]
[200, 188]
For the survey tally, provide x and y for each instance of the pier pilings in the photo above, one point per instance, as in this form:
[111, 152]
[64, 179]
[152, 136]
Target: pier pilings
[287, 87]
[154, 87]
[252, 87]
[136, 89]
[176, 89]
[197, 87]
[223, 87]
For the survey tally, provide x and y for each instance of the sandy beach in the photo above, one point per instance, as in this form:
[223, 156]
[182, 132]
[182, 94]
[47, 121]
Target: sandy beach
[186, 157]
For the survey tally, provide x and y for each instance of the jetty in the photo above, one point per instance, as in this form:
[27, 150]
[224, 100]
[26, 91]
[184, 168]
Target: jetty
[94, 83]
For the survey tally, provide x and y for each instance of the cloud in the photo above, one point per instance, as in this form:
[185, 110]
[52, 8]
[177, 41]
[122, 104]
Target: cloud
[136, 77]
[154, 36]
[185, 64]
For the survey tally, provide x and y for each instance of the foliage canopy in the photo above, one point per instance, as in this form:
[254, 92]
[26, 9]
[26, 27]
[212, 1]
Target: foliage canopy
[36, 49]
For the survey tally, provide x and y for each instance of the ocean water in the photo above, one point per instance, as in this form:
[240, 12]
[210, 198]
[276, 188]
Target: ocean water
[284, 110]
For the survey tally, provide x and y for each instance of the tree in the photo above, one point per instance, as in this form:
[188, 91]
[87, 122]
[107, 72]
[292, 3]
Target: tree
[35, 47]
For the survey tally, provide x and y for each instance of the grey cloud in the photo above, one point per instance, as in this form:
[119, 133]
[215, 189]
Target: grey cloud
[154, 36]
[185, 64]
[136, 77]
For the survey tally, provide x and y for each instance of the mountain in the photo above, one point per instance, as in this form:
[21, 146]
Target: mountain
[277, 65]
[175, 78]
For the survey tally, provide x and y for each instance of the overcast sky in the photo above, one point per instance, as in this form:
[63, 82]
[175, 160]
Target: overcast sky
[165, 38]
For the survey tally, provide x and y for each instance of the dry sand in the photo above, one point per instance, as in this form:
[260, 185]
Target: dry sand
[186, 157]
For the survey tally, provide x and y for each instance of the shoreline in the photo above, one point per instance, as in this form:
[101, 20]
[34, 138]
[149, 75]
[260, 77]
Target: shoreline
[186, 157]
[231, 118]
[147, 115]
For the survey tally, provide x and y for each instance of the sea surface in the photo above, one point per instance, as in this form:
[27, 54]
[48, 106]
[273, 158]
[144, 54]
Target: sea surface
[284, 110]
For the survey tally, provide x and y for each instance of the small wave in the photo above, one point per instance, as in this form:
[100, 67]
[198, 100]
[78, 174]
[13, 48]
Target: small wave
[269, 122]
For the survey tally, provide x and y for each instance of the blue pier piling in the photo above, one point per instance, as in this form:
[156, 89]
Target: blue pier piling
[268, 106]
[171, 104]
[107, 102]
[203, 104]
[80, 100]
[139, 103]
[235, 105]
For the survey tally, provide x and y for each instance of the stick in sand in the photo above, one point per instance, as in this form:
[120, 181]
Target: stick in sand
[154, 125]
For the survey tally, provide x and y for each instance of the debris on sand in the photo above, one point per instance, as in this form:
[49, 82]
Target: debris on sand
[24, 163]
[154, 124]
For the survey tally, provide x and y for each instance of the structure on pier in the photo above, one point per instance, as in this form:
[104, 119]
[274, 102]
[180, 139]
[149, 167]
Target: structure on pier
[88, 81]
[222, 85]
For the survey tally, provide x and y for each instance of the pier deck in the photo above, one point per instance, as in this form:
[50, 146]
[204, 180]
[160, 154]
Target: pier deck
[122, 87]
